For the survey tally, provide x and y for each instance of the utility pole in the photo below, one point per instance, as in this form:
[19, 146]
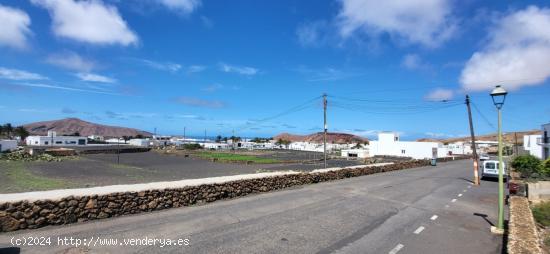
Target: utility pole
[325, 128]
[155, 131]
[184, 134]
[205, 137]
[516, 150]
[474, 152]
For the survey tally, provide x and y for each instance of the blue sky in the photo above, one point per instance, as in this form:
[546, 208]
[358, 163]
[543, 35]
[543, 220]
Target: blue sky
[220, 66]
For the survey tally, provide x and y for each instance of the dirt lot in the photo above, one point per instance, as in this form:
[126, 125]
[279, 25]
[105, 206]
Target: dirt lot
[103, 169]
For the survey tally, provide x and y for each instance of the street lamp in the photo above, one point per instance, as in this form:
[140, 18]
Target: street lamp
[499, 96]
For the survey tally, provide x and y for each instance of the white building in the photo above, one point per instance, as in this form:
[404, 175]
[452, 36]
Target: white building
[545, 141]
[531, 144]
[96, 137]
[8, 145]
[355, 153]
[216, 146]
[388, 144]
[461, 148]
[53, 140]
[142, 142]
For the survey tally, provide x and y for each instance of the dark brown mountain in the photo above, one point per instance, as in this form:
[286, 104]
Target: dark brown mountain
[332, 137]
[69, 126]
[509, 137]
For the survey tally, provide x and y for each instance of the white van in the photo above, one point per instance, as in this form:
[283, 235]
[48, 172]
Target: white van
[489, 168]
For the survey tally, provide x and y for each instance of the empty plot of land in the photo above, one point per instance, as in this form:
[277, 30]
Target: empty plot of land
[127, 168]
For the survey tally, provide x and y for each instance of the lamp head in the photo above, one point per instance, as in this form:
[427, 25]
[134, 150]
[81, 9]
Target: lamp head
[499, 96]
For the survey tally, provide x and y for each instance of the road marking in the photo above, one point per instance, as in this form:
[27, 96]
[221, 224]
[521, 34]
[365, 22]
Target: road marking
[447, 206]
[465, 190]
[469, 186]
[454, 200]
[434, 217]
[419, 229]
[396, 249]
[460, 195]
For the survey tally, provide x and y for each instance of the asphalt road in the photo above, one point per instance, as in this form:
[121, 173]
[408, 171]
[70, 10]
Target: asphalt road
[423, 210]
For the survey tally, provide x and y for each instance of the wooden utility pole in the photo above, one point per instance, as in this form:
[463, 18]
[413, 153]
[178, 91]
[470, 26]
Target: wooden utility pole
[474, 152]
[516, 148]
[325, 129]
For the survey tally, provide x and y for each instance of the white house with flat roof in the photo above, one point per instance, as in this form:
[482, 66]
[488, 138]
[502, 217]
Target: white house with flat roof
[53, 140]
[389, 144]
[531, 145]
[8, 145]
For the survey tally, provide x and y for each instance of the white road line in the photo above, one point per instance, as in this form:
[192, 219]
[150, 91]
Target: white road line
[454, 200]
[447, 206]
[460, 195]
[396, 249]
[434, 217]
[419, 229]
[465, 190]
[469, 186]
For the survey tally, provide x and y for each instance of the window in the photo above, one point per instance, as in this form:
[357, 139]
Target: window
[402, 151]
[58, 142]
[46, 142]
[396, 139]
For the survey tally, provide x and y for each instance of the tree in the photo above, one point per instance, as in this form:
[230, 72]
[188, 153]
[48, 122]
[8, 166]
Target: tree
[527, 165]
[8, 129]
[76, 134]
[139, 136]
[21, 132]
[283, 142]
[225, 139]
[218, 139]
[126, 138]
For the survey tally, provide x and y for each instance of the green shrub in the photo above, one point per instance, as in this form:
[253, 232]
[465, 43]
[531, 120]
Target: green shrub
[527, 165]
[545, 168]
[192, 146]
[541, 212]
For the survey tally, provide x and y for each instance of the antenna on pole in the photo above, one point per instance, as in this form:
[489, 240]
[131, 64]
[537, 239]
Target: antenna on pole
[325, 129]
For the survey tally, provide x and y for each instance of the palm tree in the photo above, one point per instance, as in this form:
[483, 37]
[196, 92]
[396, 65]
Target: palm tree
[8, 129]
[21, 132]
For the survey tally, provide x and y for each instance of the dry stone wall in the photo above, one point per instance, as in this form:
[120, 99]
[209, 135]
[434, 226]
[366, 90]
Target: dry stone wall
[30, 215]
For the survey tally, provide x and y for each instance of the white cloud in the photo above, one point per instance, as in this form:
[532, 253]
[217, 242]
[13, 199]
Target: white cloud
[440, 94]
[195, 68]
[243, 70]
[91, 77]
[517, 53]
[14, 74]
[71, 60]
[167, 66]
[88, 21]
[15, 27]
[212, 88]
[424, 22]
[412, 62]
[48, 86]
[325, 74]
[311, 33]
[182, 6]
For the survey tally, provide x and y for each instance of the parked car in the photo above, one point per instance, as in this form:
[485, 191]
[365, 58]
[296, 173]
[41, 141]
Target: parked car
[484, 157]
[489, 169]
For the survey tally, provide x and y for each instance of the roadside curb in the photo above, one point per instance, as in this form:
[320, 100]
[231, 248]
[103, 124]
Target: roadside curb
[522, 234]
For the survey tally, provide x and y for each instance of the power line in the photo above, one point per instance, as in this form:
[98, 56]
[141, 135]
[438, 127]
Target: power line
[294, 109]
[483, 116]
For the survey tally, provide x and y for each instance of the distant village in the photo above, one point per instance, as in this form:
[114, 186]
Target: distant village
[388, 143]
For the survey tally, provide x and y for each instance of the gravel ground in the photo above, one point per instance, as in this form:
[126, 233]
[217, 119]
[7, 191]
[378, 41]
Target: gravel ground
[102, 169]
